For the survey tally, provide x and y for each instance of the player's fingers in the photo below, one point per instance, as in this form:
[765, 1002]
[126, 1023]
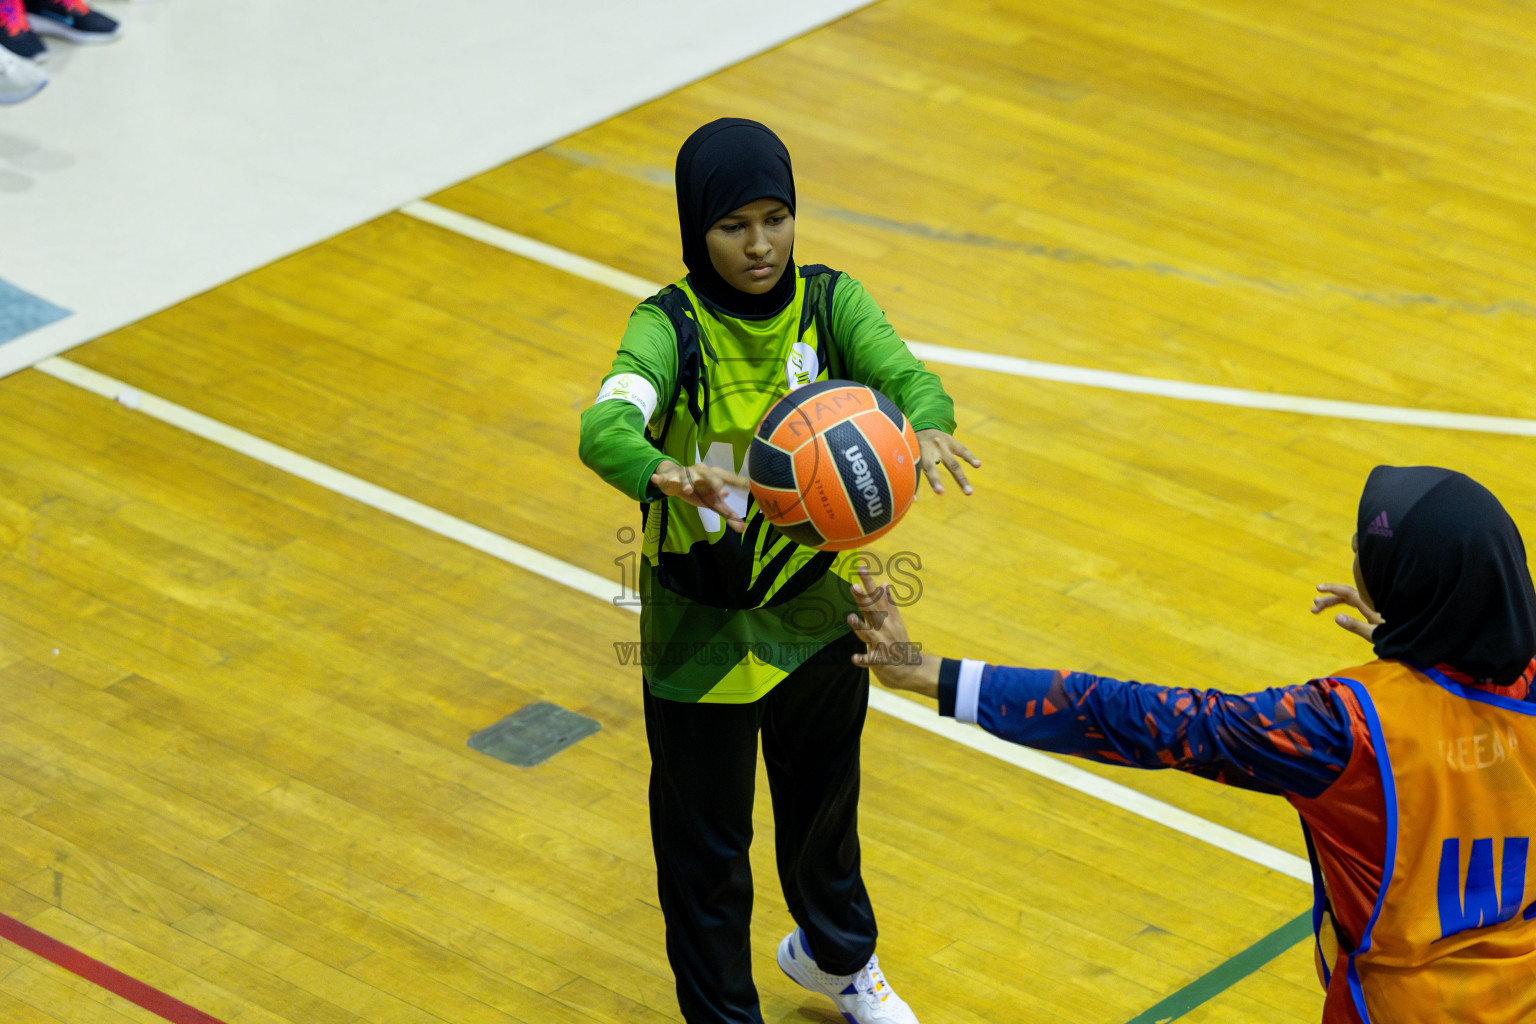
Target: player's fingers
[874, 606]
[931, 472]
[1340, 593]
[721, 508]
[667, 476]
[958, 472]
[862, 630]
[712, 494]
[864, 592]
[1354, 625]
[954, 447]
[718, 477]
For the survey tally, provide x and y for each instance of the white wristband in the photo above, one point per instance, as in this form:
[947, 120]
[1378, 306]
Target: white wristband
[968, 690]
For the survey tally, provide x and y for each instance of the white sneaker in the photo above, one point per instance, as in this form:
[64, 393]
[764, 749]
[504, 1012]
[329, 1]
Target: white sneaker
[20, 79]
[863, 998]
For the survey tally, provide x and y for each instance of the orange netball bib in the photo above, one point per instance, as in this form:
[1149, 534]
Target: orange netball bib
[1452, 938]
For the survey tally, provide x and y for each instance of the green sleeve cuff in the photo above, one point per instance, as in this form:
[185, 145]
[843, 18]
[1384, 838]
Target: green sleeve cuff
[615, 447]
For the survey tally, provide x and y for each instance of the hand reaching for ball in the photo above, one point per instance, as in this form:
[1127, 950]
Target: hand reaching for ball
[892, 656]
[1334, 594]
[704, 486]
[938, 449]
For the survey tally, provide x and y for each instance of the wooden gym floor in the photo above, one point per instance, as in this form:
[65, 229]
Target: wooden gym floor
[234, 703]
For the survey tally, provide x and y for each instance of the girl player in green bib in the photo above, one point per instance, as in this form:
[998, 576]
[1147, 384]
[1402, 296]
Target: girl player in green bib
[743, 631]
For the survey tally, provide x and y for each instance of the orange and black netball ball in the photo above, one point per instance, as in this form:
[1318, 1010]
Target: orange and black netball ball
[834, 465]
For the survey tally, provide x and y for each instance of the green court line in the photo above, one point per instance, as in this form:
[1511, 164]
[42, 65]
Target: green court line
[1227, 974]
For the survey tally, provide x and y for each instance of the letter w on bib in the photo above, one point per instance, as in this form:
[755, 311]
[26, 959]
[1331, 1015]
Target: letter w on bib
[1474, 900]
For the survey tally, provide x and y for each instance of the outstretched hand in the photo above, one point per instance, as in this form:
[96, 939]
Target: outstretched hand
[704, 486]
[939, 448]
[895, 660]
[1331, 594]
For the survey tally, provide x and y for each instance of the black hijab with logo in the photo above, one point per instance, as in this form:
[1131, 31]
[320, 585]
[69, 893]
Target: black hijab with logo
[1445, 566]
[723, 166]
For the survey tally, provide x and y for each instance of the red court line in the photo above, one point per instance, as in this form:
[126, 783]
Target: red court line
[96, 972]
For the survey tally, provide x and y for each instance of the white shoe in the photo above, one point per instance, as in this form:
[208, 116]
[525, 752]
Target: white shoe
[863, 998]
[20, 79]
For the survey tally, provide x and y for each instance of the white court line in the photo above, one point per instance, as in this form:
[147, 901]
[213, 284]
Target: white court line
[630, 285]
[345, 484]
[533, 249]
[1085, 782]
[576, 578]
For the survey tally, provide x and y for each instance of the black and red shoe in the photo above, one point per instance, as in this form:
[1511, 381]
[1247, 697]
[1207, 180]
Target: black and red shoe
[72, 20]
[16, 33]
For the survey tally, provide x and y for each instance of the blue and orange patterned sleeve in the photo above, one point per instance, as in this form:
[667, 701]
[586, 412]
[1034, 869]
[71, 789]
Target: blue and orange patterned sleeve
[1293, 739]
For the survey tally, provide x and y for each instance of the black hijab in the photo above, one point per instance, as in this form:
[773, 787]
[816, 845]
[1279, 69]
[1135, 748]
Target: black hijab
[722, 167]
[1445, 567]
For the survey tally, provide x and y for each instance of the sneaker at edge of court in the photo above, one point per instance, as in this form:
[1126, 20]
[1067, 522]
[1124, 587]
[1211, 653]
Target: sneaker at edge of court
[20, 79]
[16, 33]
[863, 998]
[72, 20]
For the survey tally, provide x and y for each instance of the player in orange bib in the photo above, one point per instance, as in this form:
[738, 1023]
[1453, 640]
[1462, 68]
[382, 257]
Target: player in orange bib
[1414, 774]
